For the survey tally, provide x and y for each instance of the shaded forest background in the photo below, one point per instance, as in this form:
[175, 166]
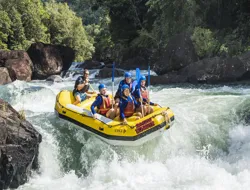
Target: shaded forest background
[115, 30]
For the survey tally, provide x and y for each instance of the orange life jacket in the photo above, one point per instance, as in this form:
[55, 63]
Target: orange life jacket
[106, 105]
[130, 109]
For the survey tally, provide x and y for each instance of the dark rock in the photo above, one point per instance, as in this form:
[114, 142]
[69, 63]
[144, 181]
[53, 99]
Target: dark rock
[4, 76]
[19, 145]
[216, 70]
[18, 63]
[50, 59]
[179, 53]
[170, 78]
[245, 58]
[54, 78]
[135, 58]
[19, 69]
[110, 65]
[210, 70]
[107, 72]
[90, 64]
[133, 63]
[14, 54]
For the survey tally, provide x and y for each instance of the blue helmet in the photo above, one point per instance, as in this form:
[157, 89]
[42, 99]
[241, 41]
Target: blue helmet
[128, 75]
[142, 78]
[124, 87]
[101, 86]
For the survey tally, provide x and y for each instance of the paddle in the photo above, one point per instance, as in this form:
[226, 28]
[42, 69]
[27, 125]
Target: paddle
[138, 76]
[148, 81]
[113, 83]
[88, 113]
[92, 88]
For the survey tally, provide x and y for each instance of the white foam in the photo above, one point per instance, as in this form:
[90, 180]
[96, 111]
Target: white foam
[207, 148]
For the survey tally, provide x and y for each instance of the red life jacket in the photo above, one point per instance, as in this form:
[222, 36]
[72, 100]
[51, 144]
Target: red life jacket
[130, 109]
[144, 92]
[106, 105]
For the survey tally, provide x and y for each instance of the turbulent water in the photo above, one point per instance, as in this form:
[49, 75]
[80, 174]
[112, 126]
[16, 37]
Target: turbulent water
[207, 148]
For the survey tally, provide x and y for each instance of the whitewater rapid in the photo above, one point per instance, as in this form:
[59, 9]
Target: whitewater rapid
[207, 148]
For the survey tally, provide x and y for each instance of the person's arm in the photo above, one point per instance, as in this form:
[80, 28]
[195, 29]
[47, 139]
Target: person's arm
[137, 104]
[137, 96]
[152, 104]
[122, 105]
[97, 102]
[135, 93]
[80, 86]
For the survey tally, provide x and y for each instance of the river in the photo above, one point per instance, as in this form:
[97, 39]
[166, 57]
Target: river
[207, 148]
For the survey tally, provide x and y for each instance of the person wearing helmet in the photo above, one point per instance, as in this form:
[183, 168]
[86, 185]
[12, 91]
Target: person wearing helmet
[142, 92]
[128, 81]
[103, 103]
[128, 104]
[81, 88]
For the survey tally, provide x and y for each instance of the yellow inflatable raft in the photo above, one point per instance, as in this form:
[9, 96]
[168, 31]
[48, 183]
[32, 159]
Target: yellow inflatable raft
[135, 133]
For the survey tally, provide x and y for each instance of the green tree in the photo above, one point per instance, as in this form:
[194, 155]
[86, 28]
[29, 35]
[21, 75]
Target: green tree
[33, 17]
[172, 17]
[16, 39]
[66, 28]
[204, 42]
[5, 26]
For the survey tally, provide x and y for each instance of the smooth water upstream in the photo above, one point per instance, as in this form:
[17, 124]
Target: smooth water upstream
[207, 148]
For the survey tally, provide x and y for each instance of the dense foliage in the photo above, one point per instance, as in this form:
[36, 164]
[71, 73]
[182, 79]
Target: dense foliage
[111, 27]
[23, 22]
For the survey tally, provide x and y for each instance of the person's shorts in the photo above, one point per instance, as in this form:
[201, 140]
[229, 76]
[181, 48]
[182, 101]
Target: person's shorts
[82, 96]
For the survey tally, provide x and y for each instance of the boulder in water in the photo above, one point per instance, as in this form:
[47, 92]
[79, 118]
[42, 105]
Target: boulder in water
[50, 59]
[179, 53]
[18, 63]
[19, 69]
[54, 78]
[19, 145]
[170, 78]
[210, 70]
[91, 64]
[107, 73]
[217, 70]
[245, 58]
[134, 63]
[4, 76]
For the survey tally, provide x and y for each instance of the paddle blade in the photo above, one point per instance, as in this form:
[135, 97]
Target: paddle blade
[138, 75]
[134, 85]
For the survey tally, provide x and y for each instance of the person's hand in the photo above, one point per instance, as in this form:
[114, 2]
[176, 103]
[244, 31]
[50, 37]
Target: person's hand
[140, 99]
[167, 118]
[95, 116]
[125, 122]
[155, 104]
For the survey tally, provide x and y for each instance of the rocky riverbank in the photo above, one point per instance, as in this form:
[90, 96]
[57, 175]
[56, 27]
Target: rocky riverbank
[177, 63]
[19, 145]
[39, 62]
